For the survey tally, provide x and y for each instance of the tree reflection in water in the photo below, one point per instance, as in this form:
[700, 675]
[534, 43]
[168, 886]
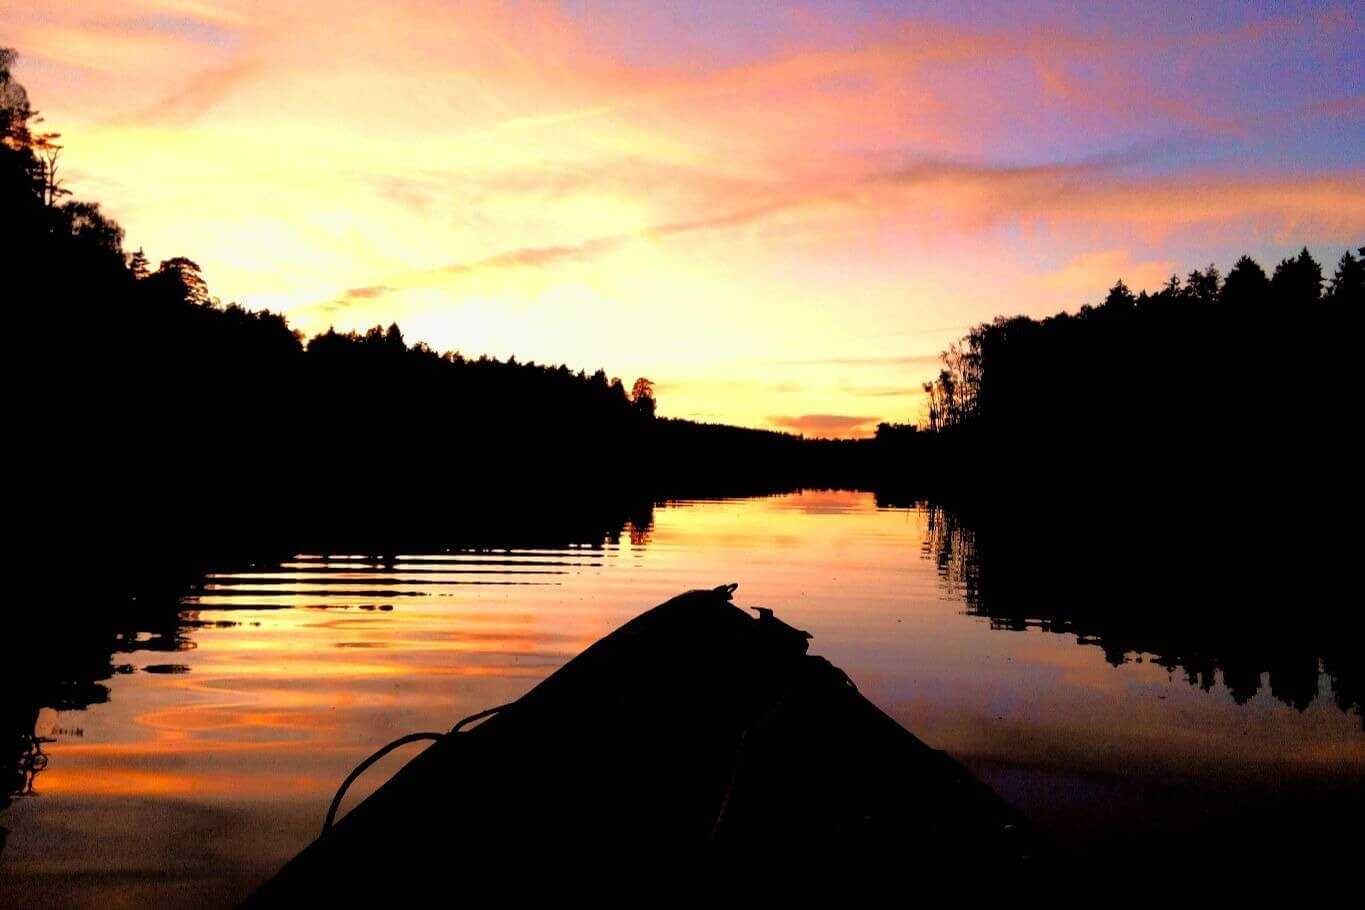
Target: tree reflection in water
[1197, 589]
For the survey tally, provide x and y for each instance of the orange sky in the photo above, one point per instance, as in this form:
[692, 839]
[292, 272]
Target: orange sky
[779, 215]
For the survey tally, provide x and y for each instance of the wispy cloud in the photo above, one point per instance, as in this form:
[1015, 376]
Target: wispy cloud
[197, 97]
[568, 186]
[368, 293]
[969, 197]
[883, 392]
[827, 425]
[349, 297]
[547, 255]
[867, 361]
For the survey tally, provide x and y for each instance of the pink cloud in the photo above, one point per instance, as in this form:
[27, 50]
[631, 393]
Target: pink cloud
[827, 425]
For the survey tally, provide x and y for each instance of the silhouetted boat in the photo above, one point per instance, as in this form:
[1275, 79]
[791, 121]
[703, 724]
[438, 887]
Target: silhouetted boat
[693, 725]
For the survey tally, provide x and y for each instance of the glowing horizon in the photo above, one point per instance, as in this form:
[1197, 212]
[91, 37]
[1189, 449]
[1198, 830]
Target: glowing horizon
[779, 216]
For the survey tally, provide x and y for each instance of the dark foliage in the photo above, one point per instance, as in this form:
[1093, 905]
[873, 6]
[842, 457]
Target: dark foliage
[1204, 382]
[153, 406]
[170, 427]
[1172, 581]
[1163, 475]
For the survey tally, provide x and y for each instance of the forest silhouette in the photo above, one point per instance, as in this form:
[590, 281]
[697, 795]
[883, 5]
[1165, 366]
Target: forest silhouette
[170, 427]
[152, 404]
[162, 430]
[1246, 383]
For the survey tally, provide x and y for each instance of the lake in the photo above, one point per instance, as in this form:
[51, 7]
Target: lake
[181, 761]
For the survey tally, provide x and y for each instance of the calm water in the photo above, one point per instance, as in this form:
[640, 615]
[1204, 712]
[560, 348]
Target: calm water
[211, 752]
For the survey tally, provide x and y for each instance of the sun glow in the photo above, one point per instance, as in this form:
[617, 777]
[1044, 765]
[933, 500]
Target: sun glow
[843, 192]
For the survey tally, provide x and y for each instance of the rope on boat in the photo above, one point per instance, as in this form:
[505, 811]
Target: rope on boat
[726, 591]
[398, 743]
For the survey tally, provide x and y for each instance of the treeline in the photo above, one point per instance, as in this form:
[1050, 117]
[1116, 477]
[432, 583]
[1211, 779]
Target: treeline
[160, 421]
[156, 360]
[1205, 379]
[156, 418]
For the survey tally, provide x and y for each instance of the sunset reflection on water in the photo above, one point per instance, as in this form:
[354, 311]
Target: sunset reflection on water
[213, 760]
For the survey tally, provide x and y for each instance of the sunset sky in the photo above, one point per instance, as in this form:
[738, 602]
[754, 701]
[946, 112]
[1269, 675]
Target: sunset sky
[780, 212]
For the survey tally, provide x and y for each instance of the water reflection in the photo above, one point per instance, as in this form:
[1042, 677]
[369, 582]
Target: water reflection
[62, 661]
[216, 723]
[1201, 605]
[22, 759]
[62, 666]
